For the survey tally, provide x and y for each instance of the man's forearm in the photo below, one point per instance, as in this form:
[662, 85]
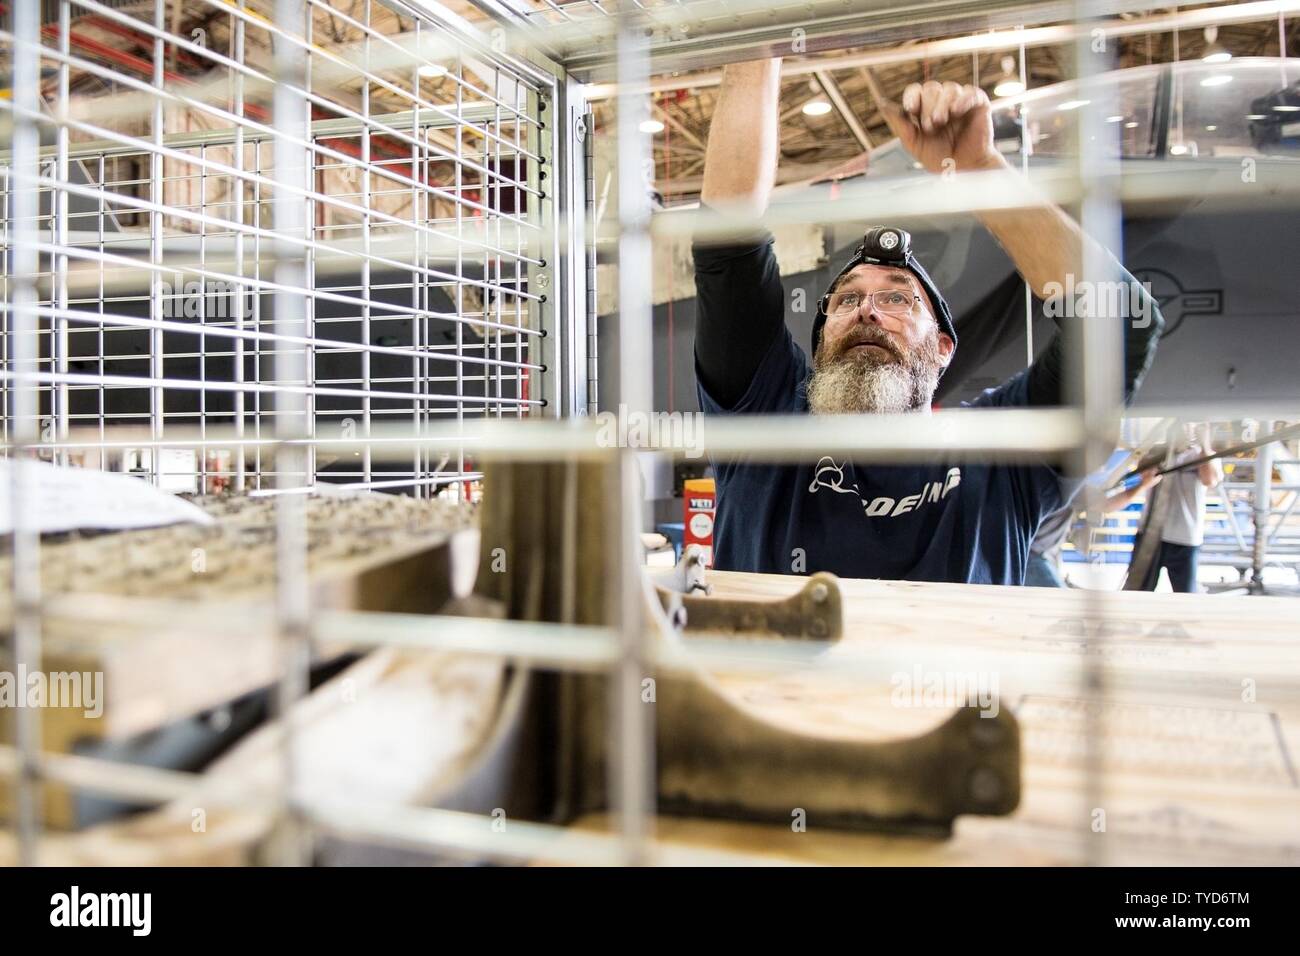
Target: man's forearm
[1047, 247]
[740, 161]
[1209, 472]
[1044, 243]
[1121, 499]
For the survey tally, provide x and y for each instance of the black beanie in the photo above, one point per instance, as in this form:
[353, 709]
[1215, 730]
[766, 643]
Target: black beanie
[887, 246]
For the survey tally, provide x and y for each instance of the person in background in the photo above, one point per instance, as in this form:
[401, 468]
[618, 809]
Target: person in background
[1183, 529]
[1044, 567]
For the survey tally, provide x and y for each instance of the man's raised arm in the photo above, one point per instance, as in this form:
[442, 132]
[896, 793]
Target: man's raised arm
[740, 161]
[946, 125]
[741, 303]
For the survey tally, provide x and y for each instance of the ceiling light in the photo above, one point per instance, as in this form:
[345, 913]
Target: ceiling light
[431, 71]
[1217, 80]
[1211, 129]
[817, 107]
[1256, 116]
[1073, 104]
[1286, 109]
[1178, 150]
[651, 126]
[1215, 52]
[1114, 119]
[1132, 124]
[1008, 83]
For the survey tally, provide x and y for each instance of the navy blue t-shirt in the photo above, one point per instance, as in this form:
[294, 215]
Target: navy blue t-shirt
[963, 523]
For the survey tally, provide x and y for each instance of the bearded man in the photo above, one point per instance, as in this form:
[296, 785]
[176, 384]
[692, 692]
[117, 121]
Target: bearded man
[882, 338]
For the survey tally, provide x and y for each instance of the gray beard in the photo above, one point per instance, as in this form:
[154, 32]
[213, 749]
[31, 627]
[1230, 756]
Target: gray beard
[843, 386]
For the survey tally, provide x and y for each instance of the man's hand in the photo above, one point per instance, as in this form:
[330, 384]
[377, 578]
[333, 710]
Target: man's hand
[1126, 496]
[1210, 472]
[945, 127]
[1149, 478]
[945, 121]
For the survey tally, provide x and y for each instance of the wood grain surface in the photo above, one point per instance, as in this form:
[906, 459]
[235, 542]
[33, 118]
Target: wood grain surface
[207, 635]
[1198, 717]
[1194, 729]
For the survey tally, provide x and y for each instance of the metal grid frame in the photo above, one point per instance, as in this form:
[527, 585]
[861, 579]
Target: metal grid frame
[426, 241]
[1271, 537]
[623, 649]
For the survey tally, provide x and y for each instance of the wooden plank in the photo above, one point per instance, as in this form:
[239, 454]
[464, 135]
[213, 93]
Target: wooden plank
[161, 664]
[392, 729]
[1196, 768]
[1199, 729]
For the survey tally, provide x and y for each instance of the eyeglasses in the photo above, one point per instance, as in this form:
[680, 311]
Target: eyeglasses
[888, 301]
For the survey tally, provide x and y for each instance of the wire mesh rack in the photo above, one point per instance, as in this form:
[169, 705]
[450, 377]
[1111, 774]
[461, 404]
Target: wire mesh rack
[238, 260]
[425, 228]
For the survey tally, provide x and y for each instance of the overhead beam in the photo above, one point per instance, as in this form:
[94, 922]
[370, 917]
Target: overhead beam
[678, 127]
[993, 41]
[841, 104]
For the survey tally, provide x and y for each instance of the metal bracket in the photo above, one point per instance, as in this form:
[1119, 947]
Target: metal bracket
[815, 613]
[745, 767]
[715, 753]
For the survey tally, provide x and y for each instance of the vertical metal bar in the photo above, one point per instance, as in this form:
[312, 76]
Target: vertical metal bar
[1262, 509]
[292, 364]
[589, 162]
[309, 265]
[242, 300]
[6, 259]
[417, 279]
[1094, 374]
[569, 177]
[1225, 496]
[547, 316]
[1026, 147]
[495, 204]
[1281, 42]
[1282, 515]
[203, 318]
[517, 205]
[428, 215]
[59, 209]
[257, 300]
[157, 195]
[460, 267]
[101, 391]
[633, 750]
[1177, 89]
[25, 639]
[366, 338]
